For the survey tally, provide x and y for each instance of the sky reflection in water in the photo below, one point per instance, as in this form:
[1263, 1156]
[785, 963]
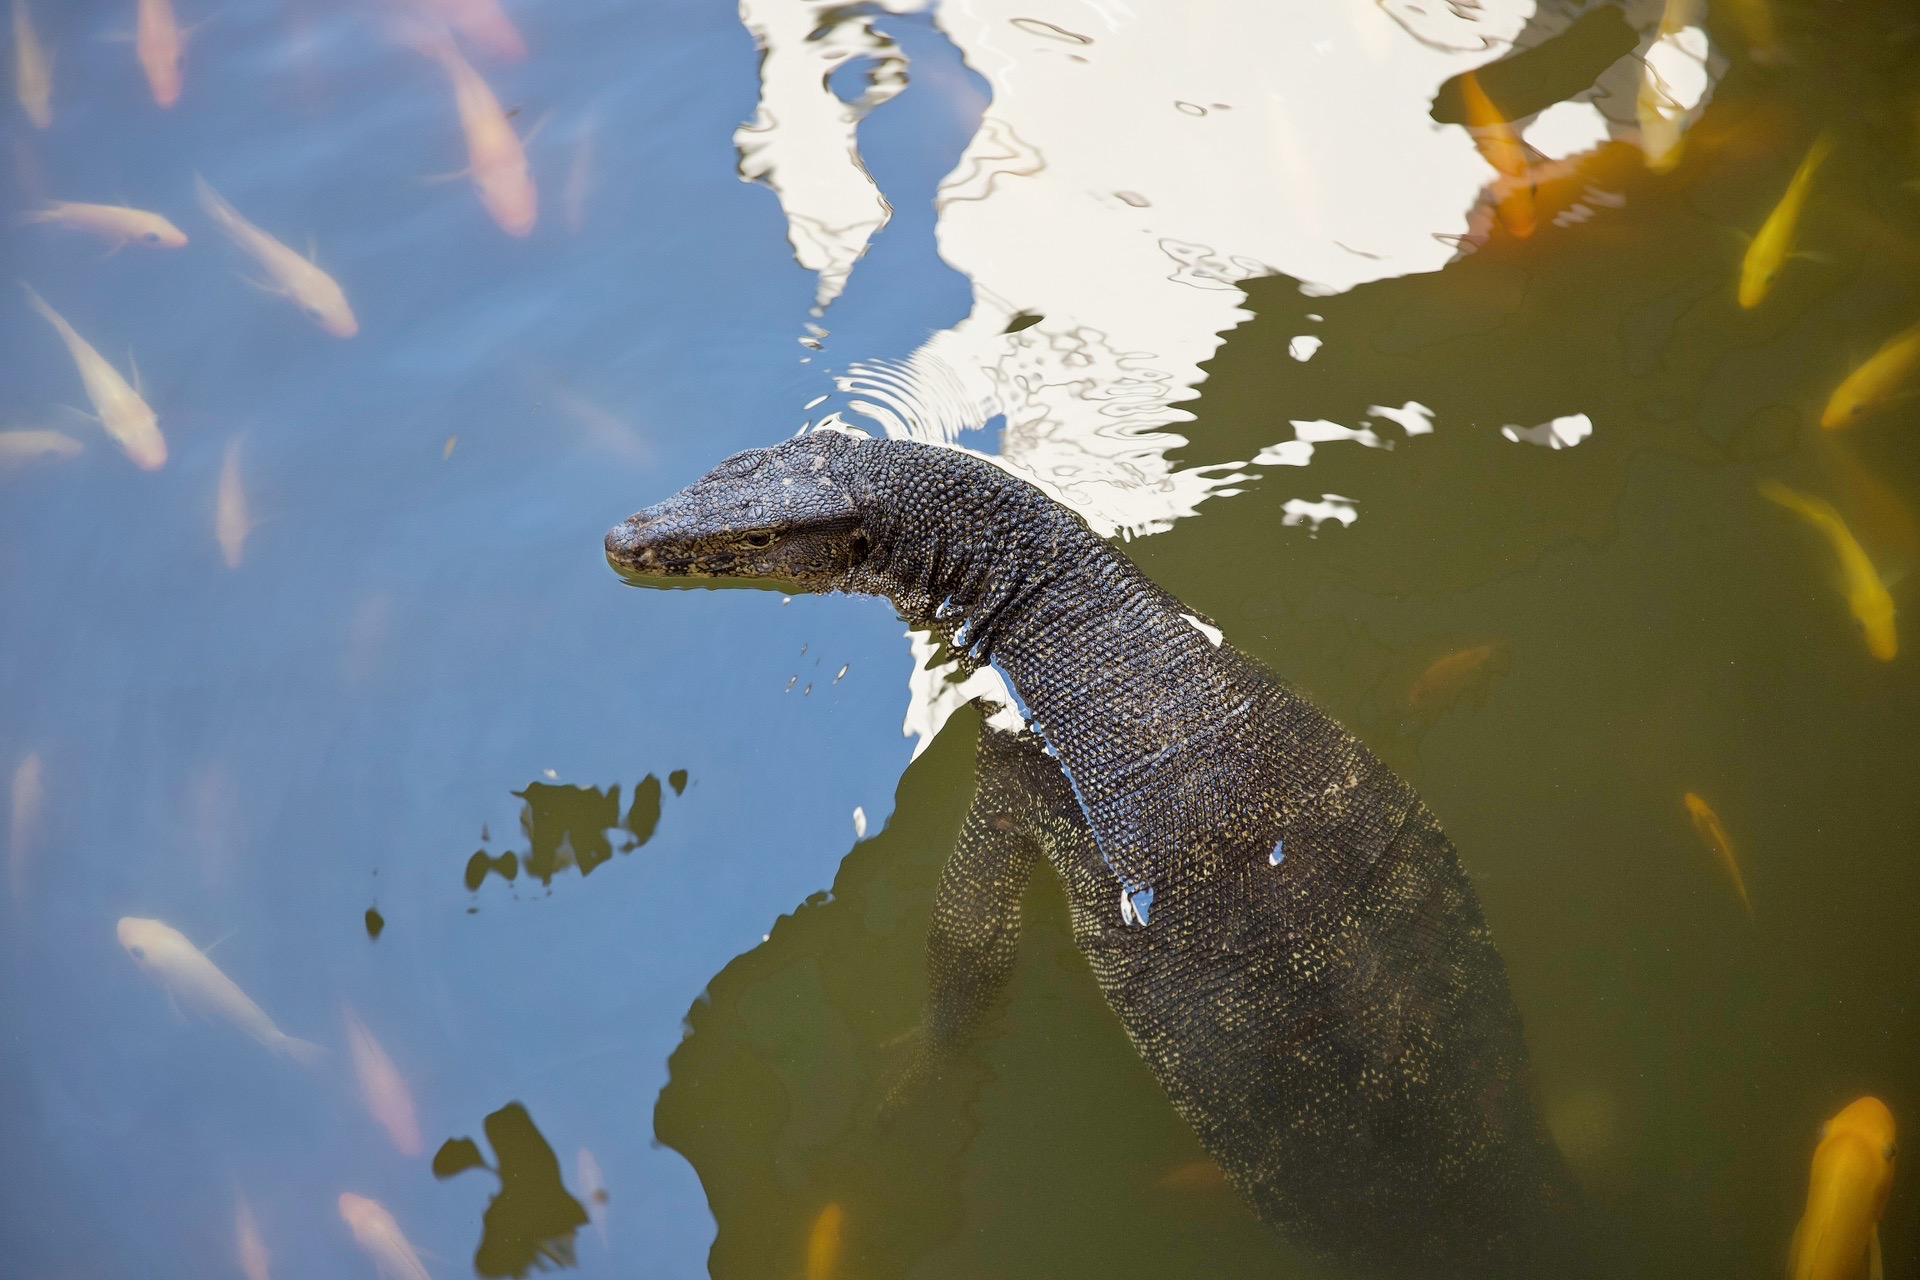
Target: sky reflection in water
[1033, 232]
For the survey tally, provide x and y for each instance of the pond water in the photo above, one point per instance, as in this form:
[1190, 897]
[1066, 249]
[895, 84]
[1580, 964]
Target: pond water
[606, 909]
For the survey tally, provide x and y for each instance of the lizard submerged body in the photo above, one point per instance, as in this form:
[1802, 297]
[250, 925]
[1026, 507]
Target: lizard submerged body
[1276, 919]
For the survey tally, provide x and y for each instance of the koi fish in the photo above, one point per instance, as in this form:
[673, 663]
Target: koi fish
[158, 44]
[114, 223]
[593, 1191]
[1874, 384]
[1774, 243]
[231, 523]
[1505, 152]
[495, 158]
[126, 417]
[1706, 824]
[250, 1251]
[32, 69]
[17, 447]
[1449, 674]
[291, 276]
[824, 1244]
[1839, 1234]
[185, 973]
[382, 1088]
[1867, 595]
[375, 1231]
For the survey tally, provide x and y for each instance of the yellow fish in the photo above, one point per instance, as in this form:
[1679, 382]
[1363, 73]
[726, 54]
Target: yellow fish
[1874, 384]
[231, 523]
[1774, 243]
[116, 224]
[288, 274]
[122, 412]
[1707, 824]
[1867, 595]
[375, 1231]
[17, 447]
[32, 69]
[1506, 153]
[824, 1244]
[1839, 1235]
[186, 974]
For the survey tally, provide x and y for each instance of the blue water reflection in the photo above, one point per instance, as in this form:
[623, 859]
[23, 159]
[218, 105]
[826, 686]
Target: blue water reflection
[258, 755]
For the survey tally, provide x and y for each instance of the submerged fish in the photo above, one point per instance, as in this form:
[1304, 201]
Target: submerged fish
[1876, 383]
[23, 821]
[17, 447]
[495, 158]
[1773, 244]
[483, 23]
[288, 274]
[1448, 675]
[126, 417]
[593, 1191]
[1706, 823]
[231, 524]
[32, 69]
[824, 1244]
[1839, 1234]
[375, 1231]
[1867, 595]
[1505, 152]
[114, 223]
[186, 975]
[1197, 1177]
[250, 1251]
[382, 1088]
[158, 44]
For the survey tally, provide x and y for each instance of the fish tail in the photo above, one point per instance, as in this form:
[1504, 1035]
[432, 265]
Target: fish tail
[39, 304]
[304, 1052]
[215, 204]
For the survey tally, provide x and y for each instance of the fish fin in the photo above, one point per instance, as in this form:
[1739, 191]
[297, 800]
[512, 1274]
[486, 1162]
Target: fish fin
[1874, 1270]
[109, 253]
[313, 249]
[304, 1052]
[79, 413]
[527, 138]
[134, 366]
[174, 1005]
[1810, 255]
[208, 949]
[260, 285]
[455, 176]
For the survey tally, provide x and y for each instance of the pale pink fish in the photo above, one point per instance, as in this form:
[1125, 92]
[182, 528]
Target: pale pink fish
[158, 44]
[23, 824]
[593, 1189]
[295, 278]
[375, 1231]
[17, 448]
[126, 417]
[117, 224]
[186, 975]
[383, 1088]
[483, 23]
[32, 69]
[231, 523]
[495, 158]
[250, 1251]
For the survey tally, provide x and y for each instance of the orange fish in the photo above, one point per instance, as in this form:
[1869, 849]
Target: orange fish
[1506, 153]
[824, 1244]
[1839, 1235]
[382, 1088]
[159, 44]
[1706, 823]
[32, 69]
[1877, 383]
[495, 158]
[116, 224]
[1448, 675]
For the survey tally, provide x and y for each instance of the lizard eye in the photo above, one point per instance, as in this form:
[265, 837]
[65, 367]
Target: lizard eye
[760, 538]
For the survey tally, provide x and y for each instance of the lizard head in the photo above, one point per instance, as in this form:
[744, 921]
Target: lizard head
[784, 517]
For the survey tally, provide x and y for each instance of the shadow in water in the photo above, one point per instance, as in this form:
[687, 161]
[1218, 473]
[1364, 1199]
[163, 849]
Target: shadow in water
[568, 826]
[531, 1222]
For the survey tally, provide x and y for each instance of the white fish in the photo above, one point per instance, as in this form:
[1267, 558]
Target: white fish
[231, 523]
[288, 274]
[23, 819]
[19, 447]
[126, 417]
[375, 1231]
[593, 1189]
[249, 1249]
[383, 1088]
[187, 975]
